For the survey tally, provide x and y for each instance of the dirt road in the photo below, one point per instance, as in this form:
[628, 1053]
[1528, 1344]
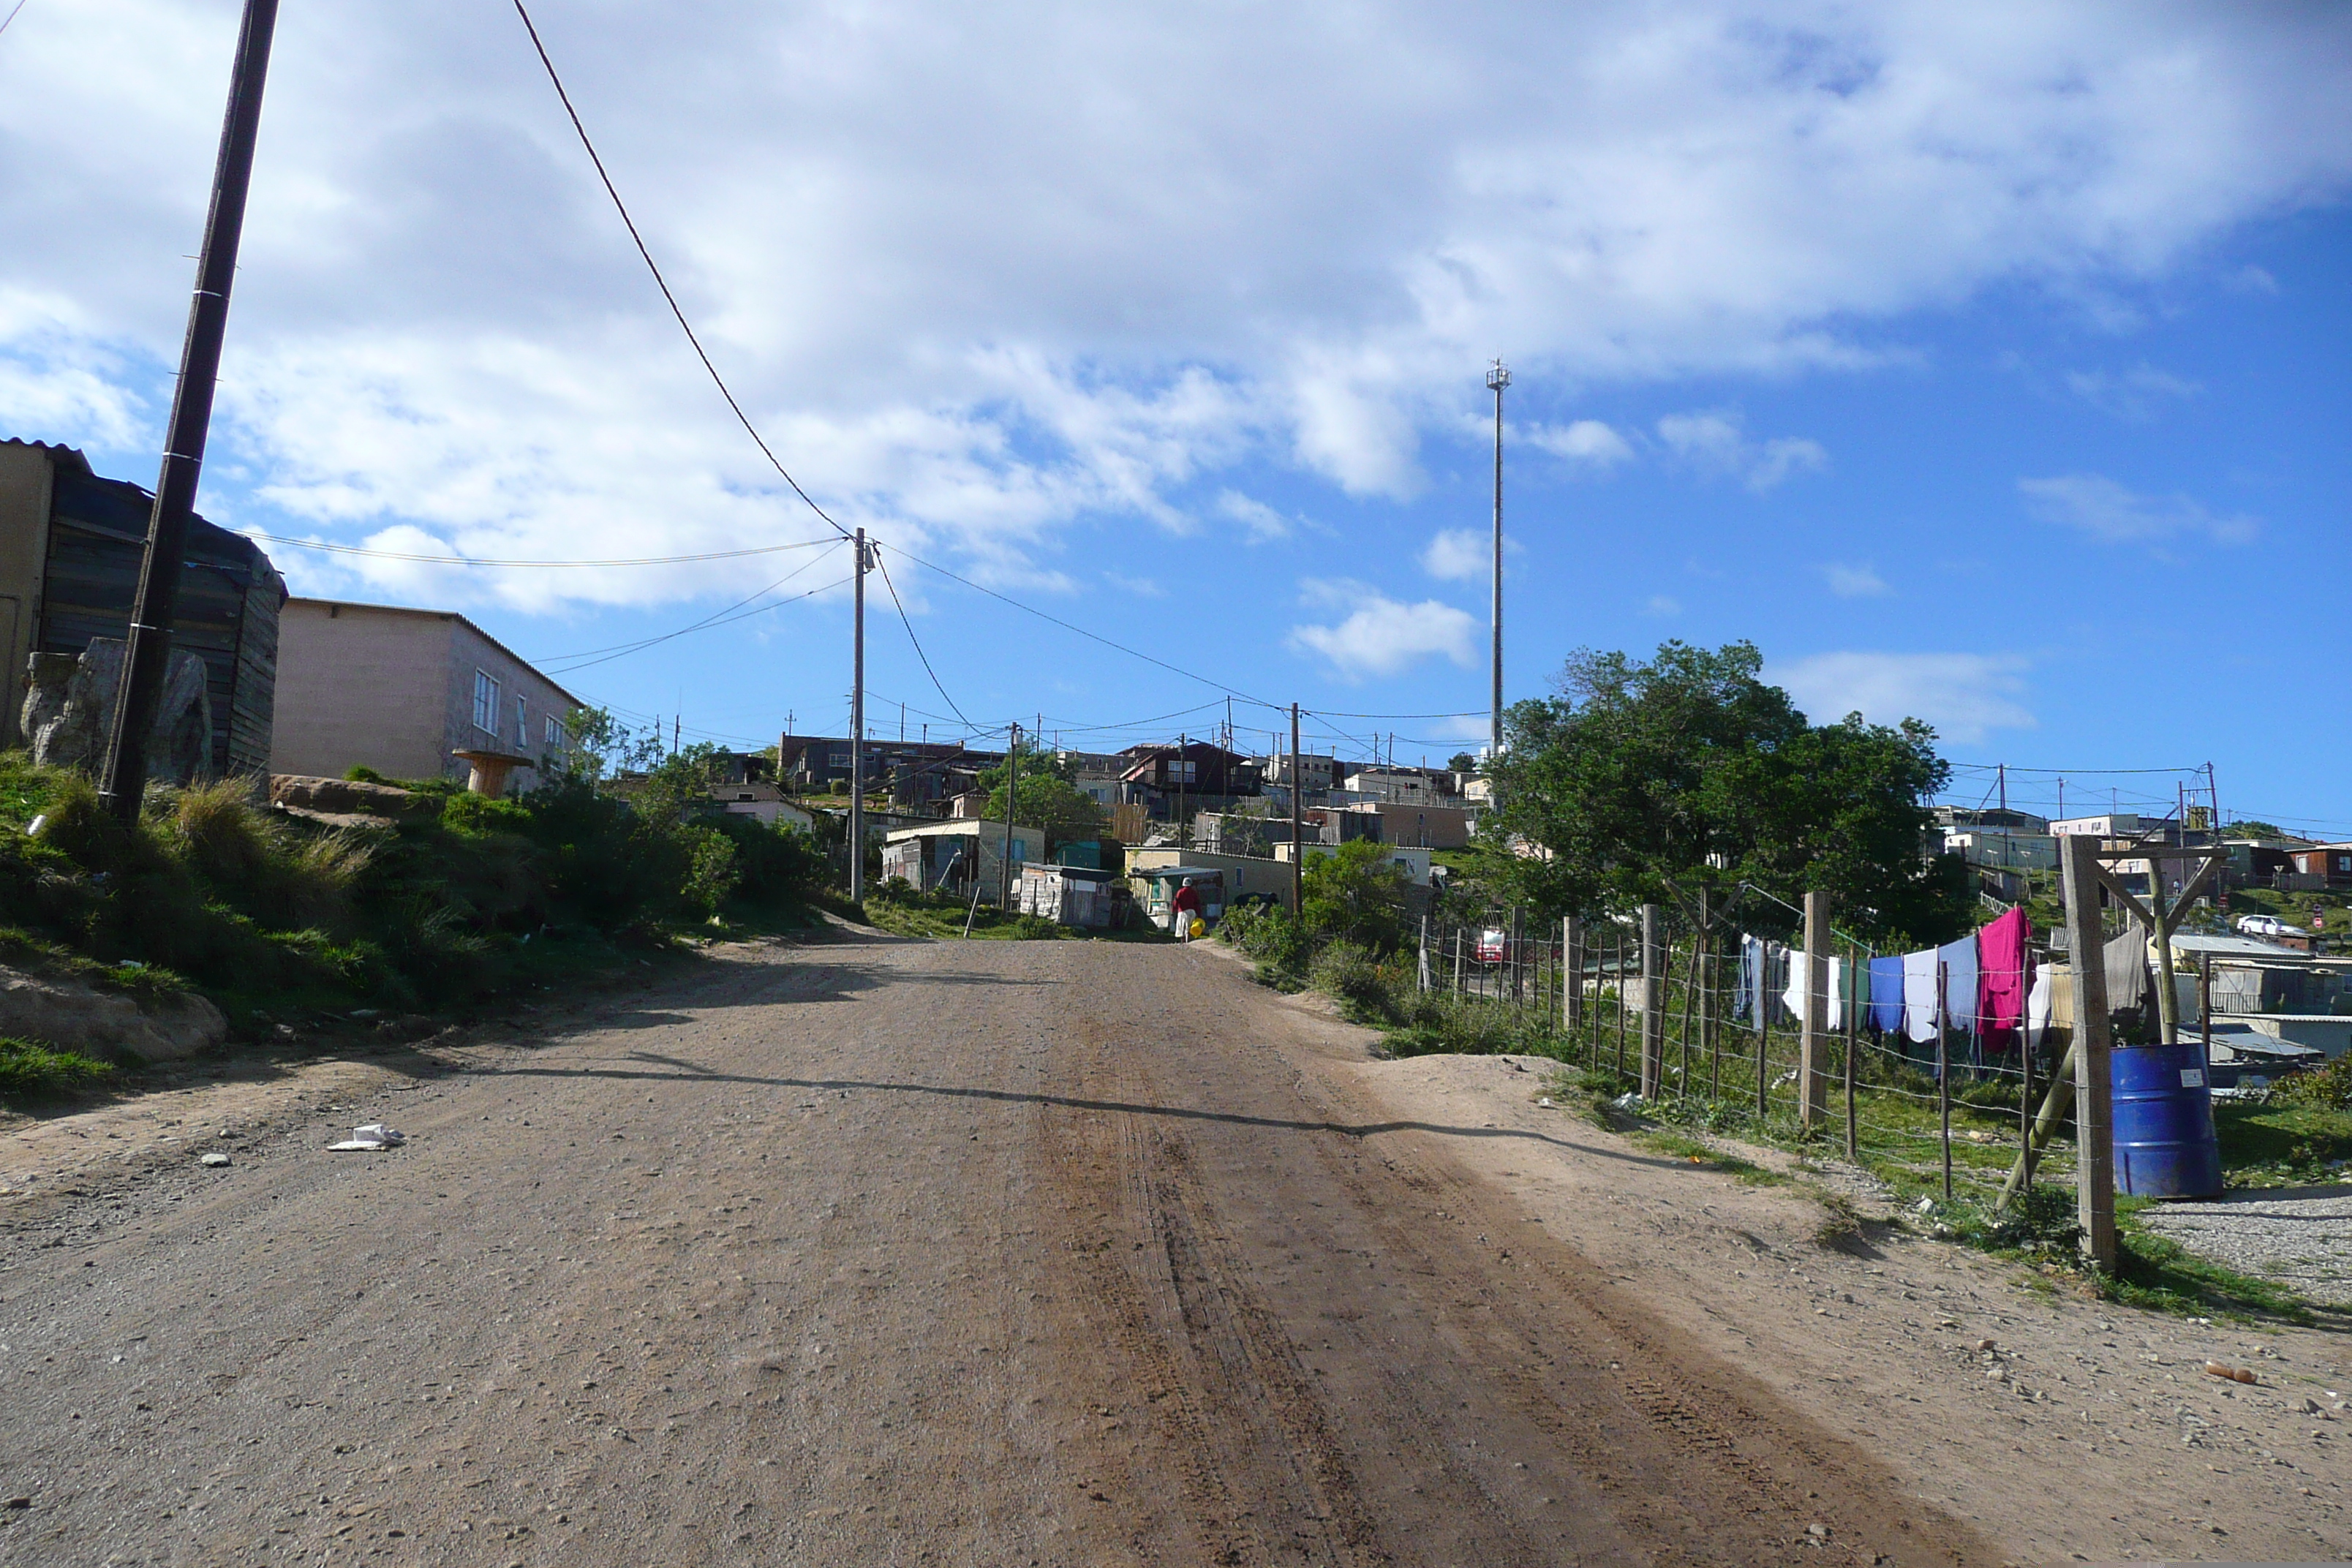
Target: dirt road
[881, 1252]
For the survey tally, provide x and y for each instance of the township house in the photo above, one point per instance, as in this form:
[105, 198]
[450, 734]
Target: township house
[404, 691]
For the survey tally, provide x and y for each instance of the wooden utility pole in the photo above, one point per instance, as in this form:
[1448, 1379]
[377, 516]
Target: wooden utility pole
[1012, 798]
[857, 729]
[2095, 1168]
[1297, 815]
[1812, 1040]
[1654, 1013]
[147, 644]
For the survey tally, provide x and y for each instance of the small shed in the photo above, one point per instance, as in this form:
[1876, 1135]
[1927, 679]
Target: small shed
[1078, 896]
[951, 854]
[1158, 885]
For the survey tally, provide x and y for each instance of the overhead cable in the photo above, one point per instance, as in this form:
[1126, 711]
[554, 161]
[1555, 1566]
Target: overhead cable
[663, 283]
[485, 561]
[912, 638]
[1092, 636]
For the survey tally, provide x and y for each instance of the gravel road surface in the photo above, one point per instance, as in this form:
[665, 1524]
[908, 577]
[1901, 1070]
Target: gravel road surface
[879, 1252]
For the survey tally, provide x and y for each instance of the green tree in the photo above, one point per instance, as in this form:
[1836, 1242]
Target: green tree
[1462, 762]
[1354, 893]
[2253, 829]
[1688, 775]
[1049, 800]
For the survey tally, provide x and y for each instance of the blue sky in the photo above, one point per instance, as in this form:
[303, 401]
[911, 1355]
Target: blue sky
[1988, 367]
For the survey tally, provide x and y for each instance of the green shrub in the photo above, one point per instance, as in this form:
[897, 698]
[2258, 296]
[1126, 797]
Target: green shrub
[2326, 1089]
[29, 1071]
[1349, 972]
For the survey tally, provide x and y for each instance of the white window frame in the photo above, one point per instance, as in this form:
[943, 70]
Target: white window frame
[522, 721]
[485, 701]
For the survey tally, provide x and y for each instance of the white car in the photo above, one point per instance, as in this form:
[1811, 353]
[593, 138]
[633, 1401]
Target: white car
[2266, 925]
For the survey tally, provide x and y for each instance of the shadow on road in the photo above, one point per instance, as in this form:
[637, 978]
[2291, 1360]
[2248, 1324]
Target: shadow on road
[682, 1070]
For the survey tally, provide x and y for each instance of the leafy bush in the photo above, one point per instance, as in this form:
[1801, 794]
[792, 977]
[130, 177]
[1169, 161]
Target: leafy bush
[1349, 972]
[1268, 933]
[2039, 1221]
[2327, 1088]
[214, 886]
[28, 1071]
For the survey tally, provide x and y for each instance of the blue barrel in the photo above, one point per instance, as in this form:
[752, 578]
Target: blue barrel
[2165, 1146]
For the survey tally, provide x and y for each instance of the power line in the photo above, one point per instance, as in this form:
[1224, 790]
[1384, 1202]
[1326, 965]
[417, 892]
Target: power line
[12, 15]
[702, 626]
[663, 283]
[711, 619]
[1091, 637]
[912, 638]
[484, 561]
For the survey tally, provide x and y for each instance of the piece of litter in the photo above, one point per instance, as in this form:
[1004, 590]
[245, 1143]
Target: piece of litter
[1544, 1100]
[373, 1137]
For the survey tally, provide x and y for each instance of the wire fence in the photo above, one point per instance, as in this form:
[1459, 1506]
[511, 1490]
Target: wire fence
[1678, 1019]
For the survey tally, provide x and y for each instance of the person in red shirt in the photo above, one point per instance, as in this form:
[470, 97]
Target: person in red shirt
[1186, 905]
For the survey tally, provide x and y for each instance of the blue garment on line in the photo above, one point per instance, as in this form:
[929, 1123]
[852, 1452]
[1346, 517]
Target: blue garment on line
[1959, 961]
[1886, 994]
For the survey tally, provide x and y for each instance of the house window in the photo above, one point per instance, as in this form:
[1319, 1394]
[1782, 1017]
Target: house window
[554, 734]
[485, 702]
[522, 724]
[1184, 771]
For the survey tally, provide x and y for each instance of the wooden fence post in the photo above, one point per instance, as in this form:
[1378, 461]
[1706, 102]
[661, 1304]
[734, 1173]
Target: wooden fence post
[1763, 1001]
[1855, 991]
[1571, 977]
[1654, 1011]
[2095, 1170]
[1944, 1079]
[1812, 1046]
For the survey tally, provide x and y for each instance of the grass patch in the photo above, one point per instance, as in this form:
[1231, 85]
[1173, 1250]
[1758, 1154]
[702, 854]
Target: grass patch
[2284, 1142]
[1682, 1145]
[2158, 1274]
[29, 1072]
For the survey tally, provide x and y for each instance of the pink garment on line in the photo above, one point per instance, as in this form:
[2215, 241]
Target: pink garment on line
[2004, 977]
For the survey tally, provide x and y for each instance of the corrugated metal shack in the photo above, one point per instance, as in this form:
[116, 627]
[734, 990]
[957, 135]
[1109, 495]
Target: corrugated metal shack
[70, 546]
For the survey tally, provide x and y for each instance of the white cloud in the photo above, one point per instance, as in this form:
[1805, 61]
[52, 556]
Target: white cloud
[1588, 442]
[1660, 604]
[971, 306]
[1715, 442]
[2133, 394]
[1966, 696]
[1262, 521]
[1381, 636]
[1141, 587]
[1459, 555]
[2107, 511]
[1856, 582]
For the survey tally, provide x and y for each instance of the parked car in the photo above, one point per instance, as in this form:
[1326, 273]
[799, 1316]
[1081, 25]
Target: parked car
[2264, 925]
[1494, 945]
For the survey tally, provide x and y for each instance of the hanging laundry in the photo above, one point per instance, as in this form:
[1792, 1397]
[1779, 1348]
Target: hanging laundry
[2127, 956]
[1751, 979]
[2004, 974]
[1919, 996]
[1886, 994]
[1959, 961]
[1793, 997]
[2037, 1010]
